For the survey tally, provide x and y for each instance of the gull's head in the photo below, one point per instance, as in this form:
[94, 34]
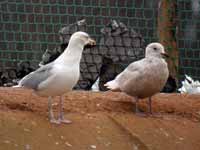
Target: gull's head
[82, 38]
[155, 50]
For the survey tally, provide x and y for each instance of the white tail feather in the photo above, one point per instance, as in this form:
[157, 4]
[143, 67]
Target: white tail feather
[112, 85]
[17, 86]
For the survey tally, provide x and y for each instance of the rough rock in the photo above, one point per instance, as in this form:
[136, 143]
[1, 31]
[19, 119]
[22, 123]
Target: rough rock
[120, 46]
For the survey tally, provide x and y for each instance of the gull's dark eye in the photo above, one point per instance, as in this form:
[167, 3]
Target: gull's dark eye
[155, 48]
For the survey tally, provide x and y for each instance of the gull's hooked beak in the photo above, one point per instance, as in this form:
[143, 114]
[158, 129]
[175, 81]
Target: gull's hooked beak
[165, 55]
[91, 42]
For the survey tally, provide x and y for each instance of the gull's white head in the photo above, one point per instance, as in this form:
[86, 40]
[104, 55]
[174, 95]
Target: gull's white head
[155, 50]
[83, 38]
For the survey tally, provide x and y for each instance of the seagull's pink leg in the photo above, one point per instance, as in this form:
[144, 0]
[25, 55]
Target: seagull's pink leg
[150, 105]
[61, 113]
[137, 111]
[150, 110]
[51, 115]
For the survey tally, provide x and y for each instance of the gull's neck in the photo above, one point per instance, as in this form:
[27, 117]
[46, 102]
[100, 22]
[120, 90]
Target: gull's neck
[156, 58]
[72, 54]
[153, 56]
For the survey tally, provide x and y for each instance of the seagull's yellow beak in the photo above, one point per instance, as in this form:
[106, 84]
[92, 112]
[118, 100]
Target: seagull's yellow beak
[91, 42]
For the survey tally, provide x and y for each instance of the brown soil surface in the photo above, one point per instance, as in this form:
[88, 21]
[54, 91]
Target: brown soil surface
[100, 120]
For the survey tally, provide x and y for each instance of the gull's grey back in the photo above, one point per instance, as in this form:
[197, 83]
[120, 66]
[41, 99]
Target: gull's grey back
[33, 79]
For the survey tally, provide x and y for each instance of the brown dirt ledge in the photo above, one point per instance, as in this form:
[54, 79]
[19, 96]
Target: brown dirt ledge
[101, 121]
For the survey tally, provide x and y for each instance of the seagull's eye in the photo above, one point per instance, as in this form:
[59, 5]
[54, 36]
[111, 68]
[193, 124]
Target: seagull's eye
[155, 48]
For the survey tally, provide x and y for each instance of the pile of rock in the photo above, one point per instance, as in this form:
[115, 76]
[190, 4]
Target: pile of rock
[10, 76]
[120, 46]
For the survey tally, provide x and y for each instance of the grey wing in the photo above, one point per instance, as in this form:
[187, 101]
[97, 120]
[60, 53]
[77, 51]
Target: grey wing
[33, 79]
[130, 79]
[131, 71]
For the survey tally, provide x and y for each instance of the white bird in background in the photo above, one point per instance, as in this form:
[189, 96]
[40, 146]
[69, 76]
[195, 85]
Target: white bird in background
[145, 77]
[59, 76]
[190, 86]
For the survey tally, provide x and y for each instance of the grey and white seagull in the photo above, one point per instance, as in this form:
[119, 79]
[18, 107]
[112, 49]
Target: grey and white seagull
[145, 77]
[59, 76]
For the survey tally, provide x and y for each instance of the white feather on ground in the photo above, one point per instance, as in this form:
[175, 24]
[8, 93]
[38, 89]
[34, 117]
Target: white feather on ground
[59, 76]
[95, 86]
[190, 86]
[145, 77]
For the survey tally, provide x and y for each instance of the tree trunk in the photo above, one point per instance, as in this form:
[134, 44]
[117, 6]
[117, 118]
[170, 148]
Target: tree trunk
[167, 26]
